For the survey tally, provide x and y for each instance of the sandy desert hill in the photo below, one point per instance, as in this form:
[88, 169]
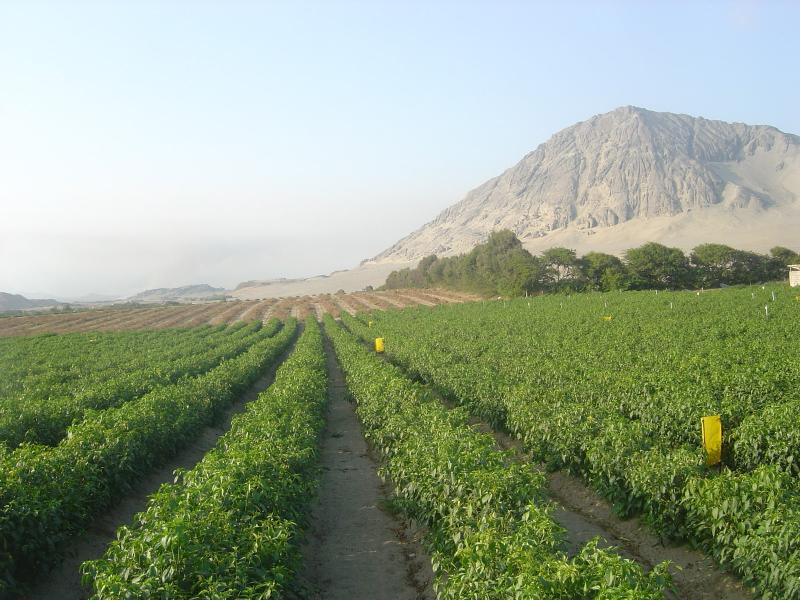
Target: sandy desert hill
[610, 183]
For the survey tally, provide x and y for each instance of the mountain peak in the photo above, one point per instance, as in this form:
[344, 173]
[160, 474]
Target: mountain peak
[623, 167]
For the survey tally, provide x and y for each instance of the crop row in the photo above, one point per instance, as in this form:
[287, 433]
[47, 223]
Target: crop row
[229, 527]
[55, 365]
[489, 524]
[541, 371]
[44, 419]
[48, 493]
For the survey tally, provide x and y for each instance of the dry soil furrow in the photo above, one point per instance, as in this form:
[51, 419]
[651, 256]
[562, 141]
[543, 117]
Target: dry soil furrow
[16, 325]
[453, 296]
[151, 318]
[120, 316]
[78, 325]
[253, 309]
[265, 310]
[345, 305]
[357, 303]
[389, 298]
[67, 322]
[280, 310]
[319, 310]
[202, 316]
[180, 315]
[415, 298]
[329, 306]
[436, 297]
[366, 300]
[220, 308]
[64, 581]
[355, 549]
[168, 316]
[244, 307]
[228, 315]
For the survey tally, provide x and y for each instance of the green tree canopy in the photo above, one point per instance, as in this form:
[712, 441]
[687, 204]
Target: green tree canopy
[655, 266]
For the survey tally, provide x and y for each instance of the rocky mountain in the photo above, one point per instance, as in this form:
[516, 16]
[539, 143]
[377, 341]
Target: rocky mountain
[10, 302]
[627, 177]
[180, 294]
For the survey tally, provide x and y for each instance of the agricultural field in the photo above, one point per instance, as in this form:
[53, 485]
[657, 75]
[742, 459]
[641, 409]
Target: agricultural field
[122, 318]
[611, 387]
[289, 459]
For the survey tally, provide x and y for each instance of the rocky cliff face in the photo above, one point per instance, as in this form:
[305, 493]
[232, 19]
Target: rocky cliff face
[623, 169]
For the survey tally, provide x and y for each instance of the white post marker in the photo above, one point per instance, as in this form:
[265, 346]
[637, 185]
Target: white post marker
[766, 310]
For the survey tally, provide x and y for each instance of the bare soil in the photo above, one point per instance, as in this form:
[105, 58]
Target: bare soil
[355, 548]
[63, 582]
[344, 304]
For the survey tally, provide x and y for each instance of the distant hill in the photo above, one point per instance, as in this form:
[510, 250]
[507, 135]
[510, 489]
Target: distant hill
[627, 177]
[185, 293]
[10, 302]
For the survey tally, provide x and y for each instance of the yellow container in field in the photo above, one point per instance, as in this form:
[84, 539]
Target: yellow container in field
[712, 438]
[378, 344]
[369, 324]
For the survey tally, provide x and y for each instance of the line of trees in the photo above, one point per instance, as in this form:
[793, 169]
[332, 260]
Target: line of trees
[502, 266]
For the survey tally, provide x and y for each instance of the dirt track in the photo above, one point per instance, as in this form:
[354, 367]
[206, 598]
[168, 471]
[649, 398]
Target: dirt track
[354, 548]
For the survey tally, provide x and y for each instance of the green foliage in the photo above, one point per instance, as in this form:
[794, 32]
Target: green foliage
[604, 272]
[654, 266]
[229, 528]
[48, 493]
[490, 530]
[618, 401]
[502, 266]
[57, 383]
[752, 522]
[499, 266]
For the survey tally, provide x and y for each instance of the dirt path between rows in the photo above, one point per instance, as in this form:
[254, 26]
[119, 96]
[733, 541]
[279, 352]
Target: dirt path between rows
[63, 582]
[354, 548]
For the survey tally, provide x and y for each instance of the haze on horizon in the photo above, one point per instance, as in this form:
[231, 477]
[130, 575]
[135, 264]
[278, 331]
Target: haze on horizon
[162, 144]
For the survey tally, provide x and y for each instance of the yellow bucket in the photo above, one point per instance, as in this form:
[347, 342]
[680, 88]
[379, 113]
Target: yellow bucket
[378, 344]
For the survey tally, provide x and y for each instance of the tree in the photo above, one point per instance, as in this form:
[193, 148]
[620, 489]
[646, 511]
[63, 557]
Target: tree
[785, 256]
[655, 266]
[561, 269]
[779, 261]
[714, 264]
[603, 271]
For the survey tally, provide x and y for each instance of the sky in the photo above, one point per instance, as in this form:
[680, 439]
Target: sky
[157, 144]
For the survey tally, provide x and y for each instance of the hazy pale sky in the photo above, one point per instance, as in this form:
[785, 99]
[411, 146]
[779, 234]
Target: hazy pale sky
[149, 144]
